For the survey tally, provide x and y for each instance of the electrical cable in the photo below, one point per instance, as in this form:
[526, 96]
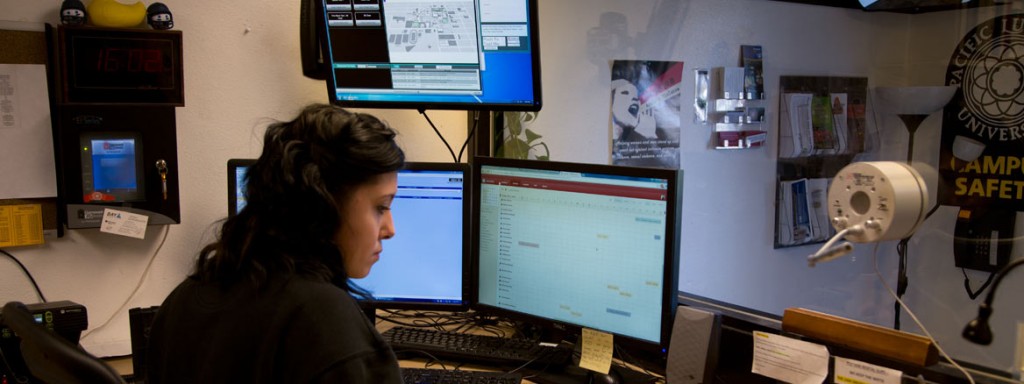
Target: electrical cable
[439, 135]
[145, 272]
[419, 321]
[827, 252]
[967, 284]
[903, 280]
[476, 122]
[874, 256]
[25, 270]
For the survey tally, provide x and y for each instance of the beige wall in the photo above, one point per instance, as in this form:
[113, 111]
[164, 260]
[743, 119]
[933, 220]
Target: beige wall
[241, 68]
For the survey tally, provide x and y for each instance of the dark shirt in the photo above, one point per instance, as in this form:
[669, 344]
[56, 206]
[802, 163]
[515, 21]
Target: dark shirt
[295, 330]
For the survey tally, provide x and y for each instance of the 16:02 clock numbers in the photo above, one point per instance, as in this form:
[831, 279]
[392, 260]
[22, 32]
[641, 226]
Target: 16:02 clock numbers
[106, 65]
[114, 60]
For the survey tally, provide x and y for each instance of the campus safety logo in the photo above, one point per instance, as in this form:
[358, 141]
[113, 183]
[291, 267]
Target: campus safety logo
[981, 161]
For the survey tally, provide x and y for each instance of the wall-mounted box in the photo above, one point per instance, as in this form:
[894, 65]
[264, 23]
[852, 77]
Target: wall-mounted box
[118, 157]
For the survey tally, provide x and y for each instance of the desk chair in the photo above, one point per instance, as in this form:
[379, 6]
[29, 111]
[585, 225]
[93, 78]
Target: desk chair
[49, 357]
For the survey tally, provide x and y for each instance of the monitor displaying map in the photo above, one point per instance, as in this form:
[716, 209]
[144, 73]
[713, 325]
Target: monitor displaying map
[432, 54]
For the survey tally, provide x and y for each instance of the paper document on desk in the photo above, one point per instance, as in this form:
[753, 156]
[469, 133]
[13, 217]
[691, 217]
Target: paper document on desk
[789, 360]
[849, 371]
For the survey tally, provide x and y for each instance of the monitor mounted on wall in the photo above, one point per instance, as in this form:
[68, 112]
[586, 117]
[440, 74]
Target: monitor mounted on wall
[580, 246]
[414, 54]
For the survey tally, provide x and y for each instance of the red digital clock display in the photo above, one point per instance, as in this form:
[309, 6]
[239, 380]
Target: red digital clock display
[121, 66]
[116, 60]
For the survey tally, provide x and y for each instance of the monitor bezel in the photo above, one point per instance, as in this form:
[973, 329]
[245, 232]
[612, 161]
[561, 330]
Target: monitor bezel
[650, 355]
[332, 96]
[233, 165]
[467, 283]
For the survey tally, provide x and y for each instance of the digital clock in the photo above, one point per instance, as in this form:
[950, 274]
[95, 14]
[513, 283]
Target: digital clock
[120, 66]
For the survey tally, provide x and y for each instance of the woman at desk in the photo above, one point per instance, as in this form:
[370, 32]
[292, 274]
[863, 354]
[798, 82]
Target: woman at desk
[269, 301]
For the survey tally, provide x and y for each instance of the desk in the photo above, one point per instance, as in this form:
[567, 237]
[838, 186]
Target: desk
[472, 323]
[123, 364]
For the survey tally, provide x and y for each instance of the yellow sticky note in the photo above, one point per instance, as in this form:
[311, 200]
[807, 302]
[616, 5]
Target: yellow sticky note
[21, 225]
[597, 351]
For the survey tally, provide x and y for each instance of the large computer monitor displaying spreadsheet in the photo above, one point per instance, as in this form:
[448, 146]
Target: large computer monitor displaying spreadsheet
[579, 246]
[424, 266]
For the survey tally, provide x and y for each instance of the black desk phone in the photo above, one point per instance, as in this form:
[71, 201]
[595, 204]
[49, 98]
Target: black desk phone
[983, 238]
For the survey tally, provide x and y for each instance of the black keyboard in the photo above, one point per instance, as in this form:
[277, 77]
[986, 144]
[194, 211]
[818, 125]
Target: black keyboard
[482, 348]
[438, 376]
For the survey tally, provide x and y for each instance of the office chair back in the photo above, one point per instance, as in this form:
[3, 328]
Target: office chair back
[49, 357]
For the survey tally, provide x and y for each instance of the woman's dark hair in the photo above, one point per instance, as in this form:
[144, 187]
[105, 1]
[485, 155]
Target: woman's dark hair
[293, 192]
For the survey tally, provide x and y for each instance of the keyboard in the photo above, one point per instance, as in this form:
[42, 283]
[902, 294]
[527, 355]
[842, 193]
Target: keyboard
[480, 348]
[432, 376]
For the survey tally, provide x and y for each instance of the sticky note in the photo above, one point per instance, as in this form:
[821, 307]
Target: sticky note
[596, 351]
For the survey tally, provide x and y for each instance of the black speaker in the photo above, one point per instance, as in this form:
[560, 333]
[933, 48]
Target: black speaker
[693, 348]
[139, 321]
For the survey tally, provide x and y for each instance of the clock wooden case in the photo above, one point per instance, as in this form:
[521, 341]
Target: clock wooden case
[119, 66]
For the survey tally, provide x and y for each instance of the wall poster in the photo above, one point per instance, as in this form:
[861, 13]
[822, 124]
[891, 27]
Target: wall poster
[981, 159]
[645, 107]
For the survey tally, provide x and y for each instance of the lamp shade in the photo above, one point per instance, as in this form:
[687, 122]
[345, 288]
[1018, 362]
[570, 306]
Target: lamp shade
[913, 100]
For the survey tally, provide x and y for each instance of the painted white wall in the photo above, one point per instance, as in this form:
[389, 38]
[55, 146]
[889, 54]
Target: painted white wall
[242, 65]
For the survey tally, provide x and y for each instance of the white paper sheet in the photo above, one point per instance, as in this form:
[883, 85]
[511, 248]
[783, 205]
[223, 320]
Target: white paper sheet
[27, 167]
[789, 360]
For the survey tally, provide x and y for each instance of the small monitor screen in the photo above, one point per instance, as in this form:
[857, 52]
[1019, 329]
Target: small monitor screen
[111, 167]
[439, 54]
[236, 184]
[423, 265]
[592, 246]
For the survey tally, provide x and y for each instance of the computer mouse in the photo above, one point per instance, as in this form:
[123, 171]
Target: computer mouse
[604, 378]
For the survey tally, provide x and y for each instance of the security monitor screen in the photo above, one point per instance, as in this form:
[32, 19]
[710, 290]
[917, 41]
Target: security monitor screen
[438, 54]
[111, 167]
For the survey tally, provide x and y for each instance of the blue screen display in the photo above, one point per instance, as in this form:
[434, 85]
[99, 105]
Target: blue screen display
[446, 54]
[111, 169]
[113, 164]
[423, 262]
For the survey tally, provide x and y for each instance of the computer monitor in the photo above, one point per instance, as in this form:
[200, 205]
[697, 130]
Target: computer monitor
[236, 184]
[580, 246]
[415, 54]
[425, 265]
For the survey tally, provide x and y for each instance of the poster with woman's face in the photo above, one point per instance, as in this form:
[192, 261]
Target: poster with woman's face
[644, 115]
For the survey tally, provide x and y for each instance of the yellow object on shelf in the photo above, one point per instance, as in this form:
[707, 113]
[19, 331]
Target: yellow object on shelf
[111, 13]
